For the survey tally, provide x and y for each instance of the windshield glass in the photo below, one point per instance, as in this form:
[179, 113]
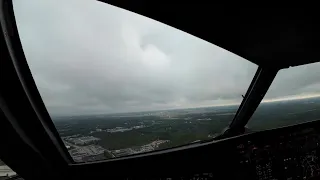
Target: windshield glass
[293, 97]
[116, 83]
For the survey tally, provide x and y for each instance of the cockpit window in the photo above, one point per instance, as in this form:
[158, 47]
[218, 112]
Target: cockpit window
[293, 97]
[116, 83]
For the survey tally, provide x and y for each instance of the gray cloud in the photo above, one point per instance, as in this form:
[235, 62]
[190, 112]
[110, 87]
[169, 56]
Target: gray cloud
[89, 57]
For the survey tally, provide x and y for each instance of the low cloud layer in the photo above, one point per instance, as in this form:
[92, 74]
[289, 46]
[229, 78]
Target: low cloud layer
[88, 57]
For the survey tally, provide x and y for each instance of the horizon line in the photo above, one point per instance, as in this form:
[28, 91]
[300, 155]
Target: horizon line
[288, 98]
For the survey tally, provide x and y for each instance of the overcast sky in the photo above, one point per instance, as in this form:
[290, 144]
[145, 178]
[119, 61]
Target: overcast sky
[88, 57]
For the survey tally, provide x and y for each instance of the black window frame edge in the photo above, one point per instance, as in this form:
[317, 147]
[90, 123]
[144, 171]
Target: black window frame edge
[38, 127]
[256, 92]
[258, 88]
[59, 155]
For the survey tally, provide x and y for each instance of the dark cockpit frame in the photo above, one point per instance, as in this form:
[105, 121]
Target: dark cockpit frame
[272, 39]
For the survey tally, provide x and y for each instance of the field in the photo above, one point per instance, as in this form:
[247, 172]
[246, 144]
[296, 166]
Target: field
[183, 126]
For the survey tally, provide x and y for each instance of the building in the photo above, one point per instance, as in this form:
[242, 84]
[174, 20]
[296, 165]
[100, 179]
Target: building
[87, 153]
[85, 140]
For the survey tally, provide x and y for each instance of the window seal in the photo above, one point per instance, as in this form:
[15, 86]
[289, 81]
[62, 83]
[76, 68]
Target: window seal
[254, 95]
